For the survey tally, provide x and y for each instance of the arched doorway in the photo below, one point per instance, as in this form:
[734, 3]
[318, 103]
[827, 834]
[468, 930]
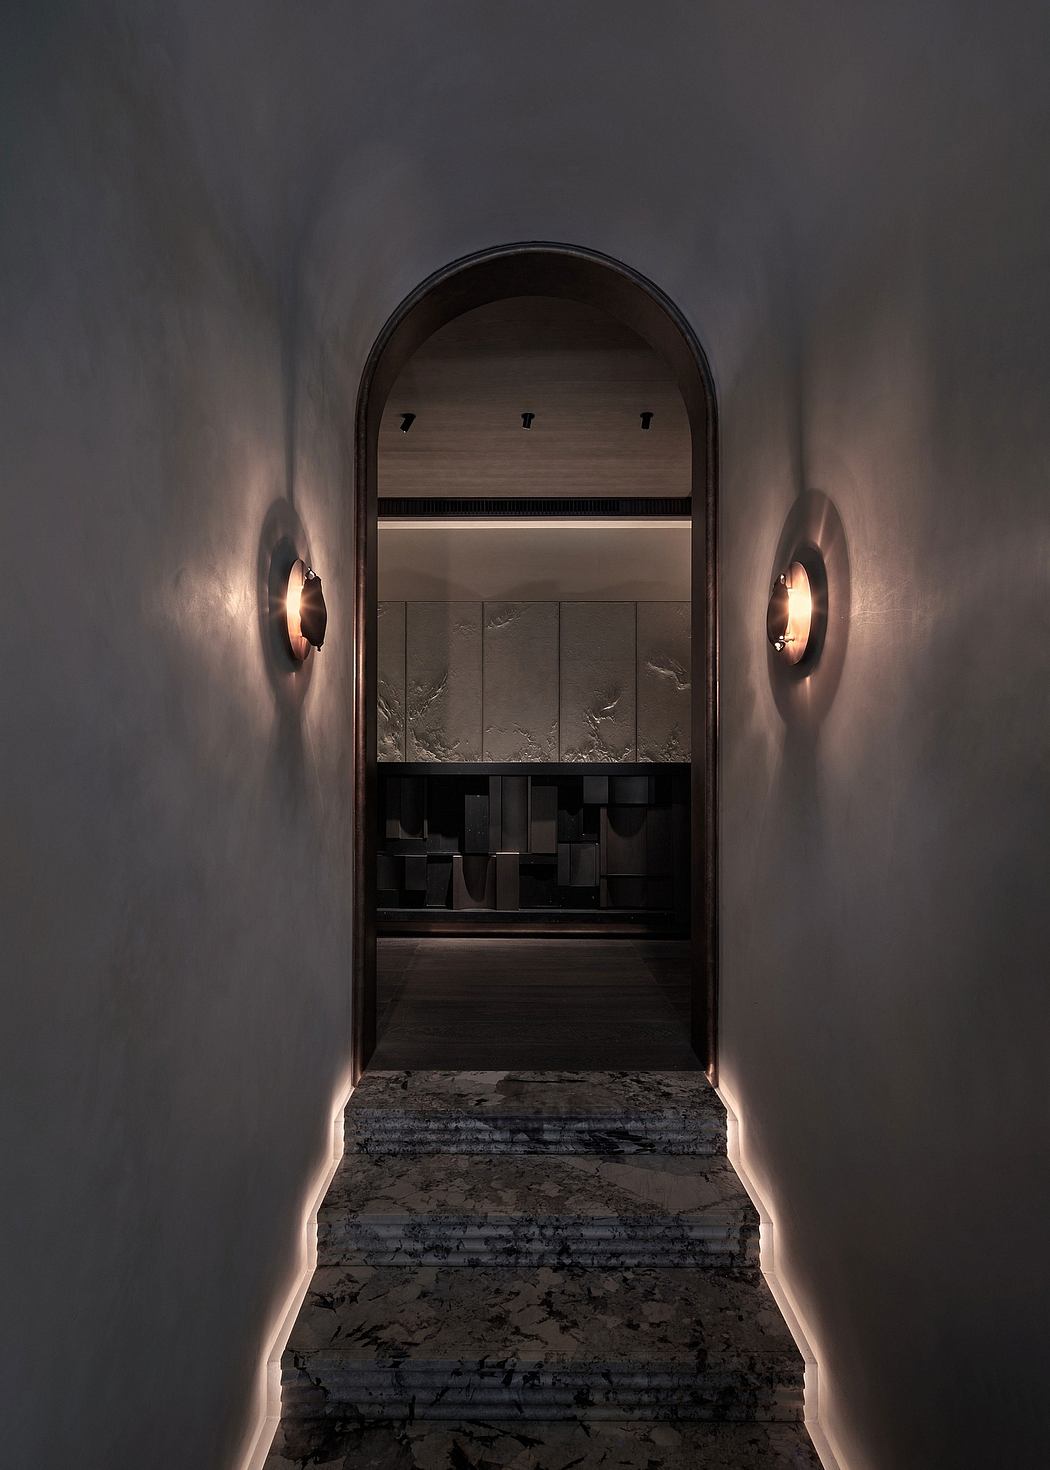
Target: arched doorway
[573, 273]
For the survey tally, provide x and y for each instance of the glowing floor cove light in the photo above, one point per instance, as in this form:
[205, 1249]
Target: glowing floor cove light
[789, 616]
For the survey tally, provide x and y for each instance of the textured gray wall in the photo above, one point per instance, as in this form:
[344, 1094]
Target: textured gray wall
[176, 819]
[209, 212]
[443, 673]
[520, 699]
[533, 681]
[663, 680]
[391, 681]
[597, 679]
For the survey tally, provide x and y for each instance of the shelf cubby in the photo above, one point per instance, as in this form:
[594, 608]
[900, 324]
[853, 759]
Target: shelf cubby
[515, 843]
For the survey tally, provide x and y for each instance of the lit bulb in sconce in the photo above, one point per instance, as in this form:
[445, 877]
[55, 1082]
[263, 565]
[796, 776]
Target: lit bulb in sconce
[307, 616]
[789, 616]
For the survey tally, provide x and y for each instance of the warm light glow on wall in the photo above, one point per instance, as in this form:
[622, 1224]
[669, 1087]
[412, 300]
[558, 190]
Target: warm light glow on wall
[789, 617]
[797, 612]
[305, 611]
[800, 612]
[293, 607]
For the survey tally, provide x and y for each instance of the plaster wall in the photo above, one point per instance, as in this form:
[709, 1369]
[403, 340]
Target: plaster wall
[210, 212]
[176, 823]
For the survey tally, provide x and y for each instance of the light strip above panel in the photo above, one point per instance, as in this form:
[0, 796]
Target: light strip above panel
[542, 523]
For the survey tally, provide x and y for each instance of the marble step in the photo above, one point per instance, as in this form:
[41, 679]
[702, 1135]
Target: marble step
[396, 1342]
[429, 1445]
[535, 1112]
[544, 1210]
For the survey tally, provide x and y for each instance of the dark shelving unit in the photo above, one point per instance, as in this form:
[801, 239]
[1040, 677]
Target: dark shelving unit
[484, 847]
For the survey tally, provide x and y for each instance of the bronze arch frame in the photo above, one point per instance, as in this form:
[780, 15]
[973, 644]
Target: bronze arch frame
[568, 271]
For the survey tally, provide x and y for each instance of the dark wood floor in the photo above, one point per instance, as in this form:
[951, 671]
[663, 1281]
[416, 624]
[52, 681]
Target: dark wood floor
[493, 1003]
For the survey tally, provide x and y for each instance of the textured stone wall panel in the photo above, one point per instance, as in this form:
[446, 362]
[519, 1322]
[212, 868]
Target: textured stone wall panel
[597, 681]
[664, 684]
[390, 682]
[521, 681]
[443, 697]
[485, 681]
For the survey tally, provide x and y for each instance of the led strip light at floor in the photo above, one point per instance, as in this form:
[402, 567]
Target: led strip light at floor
[829, 1454]
[266, 1395]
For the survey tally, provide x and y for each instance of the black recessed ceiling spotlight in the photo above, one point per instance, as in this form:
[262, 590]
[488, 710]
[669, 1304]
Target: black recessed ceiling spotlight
[407, 420]
[526, 420]
[647, 419]
[307, 616]
[797, 612]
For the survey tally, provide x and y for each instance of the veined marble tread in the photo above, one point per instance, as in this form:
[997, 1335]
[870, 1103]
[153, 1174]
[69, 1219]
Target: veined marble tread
[571, 1209]
[427, 1445]
[536, 1112]
[393, 1342]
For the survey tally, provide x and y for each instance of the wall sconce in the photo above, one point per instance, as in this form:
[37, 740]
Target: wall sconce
[796, 616]
[307, 616]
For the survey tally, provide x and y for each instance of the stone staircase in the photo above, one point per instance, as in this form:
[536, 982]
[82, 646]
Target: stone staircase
[538, 1270]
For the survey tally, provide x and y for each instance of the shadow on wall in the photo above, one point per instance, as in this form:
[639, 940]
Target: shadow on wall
[282, 540]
